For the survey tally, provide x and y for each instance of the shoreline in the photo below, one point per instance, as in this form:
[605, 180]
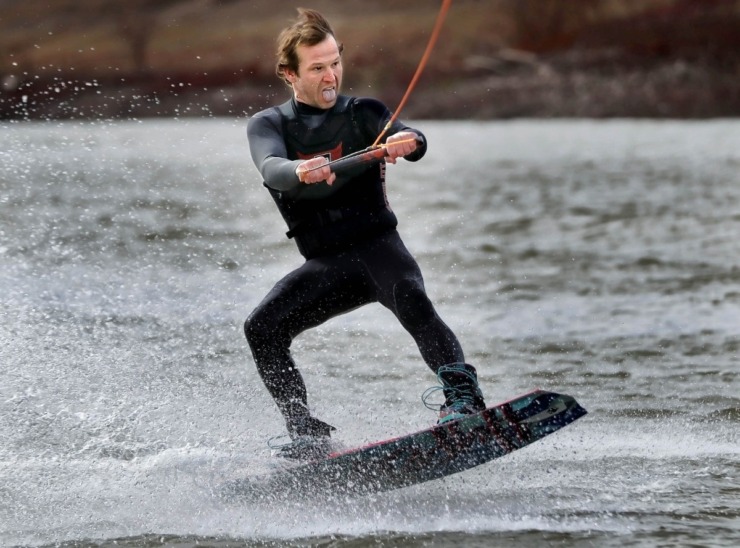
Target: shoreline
[578, 84]
[661, 59]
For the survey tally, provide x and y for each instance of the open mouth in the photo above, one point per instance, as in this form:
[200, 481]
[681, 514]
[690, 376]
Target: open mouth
[329, 94]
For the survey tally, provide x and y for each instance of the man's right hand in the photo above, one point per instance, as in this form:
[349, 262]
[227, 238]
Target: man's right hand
[315, 170]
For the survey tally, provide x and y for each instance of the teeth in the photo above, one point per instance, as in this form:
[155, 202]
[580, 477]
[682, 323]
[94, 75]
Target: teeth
[329, 95]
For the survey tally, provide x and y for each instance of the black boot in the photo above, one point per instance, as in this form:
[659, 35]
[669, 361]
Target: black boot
[308, 426]
[462, 393]
[310, 437]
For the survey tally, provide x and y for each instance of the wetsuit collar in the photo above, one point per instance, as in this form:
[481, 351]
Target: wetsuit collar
[308, 110]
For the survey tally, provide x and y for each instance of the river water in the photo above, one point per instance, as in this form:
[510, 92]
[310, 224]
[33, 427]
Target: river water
[596, 258]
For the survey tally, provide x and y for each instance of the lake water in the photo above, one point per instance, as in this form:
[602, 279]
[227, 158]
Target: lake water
[595, 258]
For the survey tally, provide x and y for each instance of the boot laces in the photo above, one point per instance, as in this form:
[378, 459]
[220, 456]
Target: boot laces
[457, 397]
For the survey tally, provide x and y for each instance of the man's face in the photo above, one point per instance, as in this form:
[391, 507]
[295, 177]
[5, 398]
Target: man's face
[319, 74]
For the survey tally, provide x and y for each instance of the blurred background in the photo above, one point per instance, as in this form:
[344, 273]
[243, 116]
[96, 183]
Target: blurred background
[495, 58]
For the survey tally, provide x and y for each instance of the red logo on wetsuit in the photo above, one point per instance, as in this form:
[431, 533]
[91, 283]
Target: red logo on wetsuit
[333, 154]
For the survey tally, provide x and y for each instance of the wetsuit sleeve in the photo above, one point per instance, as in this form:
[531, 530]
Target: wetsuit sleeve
[375, 116]
[267, 147]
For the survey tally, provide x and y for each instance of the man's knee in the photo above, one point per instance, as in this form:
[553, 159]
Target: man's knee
[257, 329]
[412, 304]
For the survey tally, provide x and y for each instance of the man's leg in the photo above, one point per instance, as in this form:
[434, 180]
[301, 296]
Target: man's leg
[317, 291]
[400, 287]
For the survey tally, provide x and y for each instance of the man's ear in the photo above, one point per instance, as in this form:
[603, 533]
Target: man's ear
[290, 76]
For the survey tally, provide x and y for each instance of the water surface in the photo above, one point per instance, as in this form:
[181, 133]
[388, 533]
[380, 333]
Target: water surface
[599, 259]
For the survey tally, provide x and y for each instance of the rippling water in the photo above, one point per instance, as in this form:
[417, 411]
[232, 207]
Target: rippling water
[599, 259]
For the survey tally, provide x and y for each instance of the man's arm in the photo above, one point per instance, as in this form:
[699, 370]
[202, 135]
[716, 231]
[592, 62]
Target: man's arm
[267, 147]
[398, 137]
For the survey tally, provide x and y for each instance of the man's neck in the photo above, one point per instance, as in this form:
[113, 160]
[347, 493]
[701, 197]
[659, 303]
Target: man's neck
[305, 108]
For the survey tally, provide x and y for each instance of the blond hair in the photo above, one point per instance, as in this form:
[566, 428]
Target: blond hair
[309, 29]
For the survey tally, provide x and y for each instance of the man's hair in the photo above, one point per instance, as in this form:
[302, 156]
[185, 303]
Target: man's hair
[309, 29]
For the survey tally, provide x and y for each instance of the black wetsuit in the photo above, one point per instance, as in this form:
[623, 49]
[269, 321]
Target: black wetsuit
[346, 231]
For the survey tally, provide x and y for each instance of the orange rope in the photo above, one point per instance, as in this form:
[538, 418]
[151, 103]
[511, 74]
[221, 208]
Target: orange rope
[432, 40]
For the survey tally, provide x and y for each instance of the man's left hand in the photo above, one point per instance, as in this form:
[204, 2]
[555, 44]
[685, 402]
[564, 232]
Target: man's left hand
[400, 144]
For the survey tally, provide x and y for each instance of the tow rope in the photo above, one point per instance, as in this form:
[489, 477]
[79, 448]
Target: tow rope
[376, 152]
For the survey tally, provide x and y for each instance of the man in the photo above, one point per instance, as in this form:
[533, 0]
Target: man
[342, 223]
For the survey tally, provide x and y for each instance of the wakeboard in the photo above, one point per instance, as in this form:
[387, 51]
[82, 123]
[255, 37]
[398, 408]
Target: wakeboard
[436, 452]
